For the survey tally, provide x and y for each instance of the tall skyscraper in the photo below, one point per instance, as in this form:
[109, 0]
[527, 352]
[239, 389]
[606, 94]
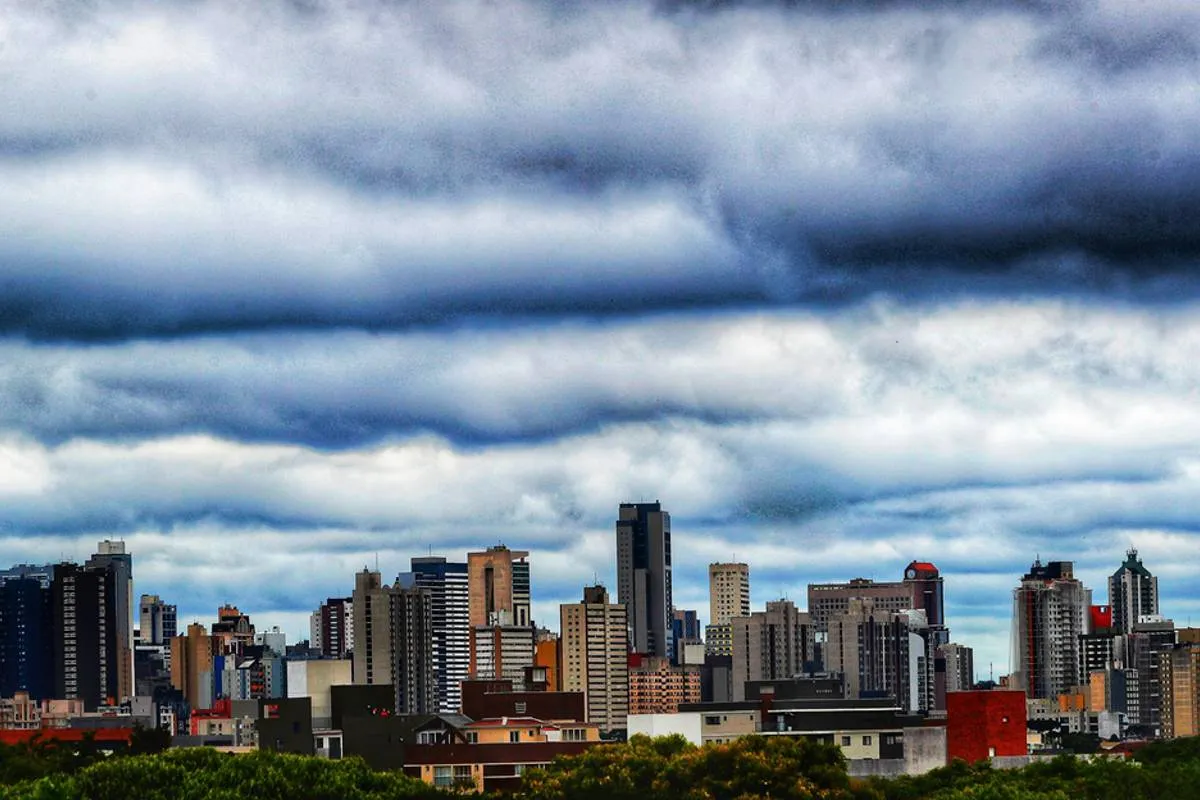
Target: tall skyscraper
[883, 653]
[331, 627]
[1050, 613]
[928, 595]
[447, 585]
[86, 652]
[770, 645]
[498, 587]
[111, 556]
[728, 597]
[1132, 593]
[501, 625]
[191, 662]
[644, 575]
[372, 608]
[393, 630]
[412, 636]
[595, 656]
[157, 621]
[26, 638]
[728, 592]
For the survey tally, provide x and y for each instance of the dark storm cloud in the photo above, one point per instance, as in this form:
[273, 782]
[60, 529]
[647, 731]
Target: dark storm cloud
[175, 169]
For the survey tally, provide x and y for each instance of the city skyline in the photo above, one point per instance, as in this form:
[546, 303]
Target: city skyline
[985, 667]
[287, 288]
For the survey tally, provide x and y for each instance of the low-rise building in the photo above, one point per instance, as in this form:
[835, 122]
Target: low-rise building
[658, 687]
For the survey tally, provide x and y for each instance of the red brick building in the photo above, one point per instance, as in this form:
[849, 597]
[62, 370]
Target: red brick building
[982, 724]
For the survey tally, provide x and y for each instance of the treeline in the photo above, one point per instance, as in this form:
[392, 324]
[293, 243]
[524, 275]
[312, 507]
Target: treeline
[751, 768]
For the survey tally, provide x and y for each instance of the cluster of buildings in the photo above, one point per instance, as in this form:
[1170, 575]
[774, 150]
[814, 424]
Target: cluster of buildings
[444, 672]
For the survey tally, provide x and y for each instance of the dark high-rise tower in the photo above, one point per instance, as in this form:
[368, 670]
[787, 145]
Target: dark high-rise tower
[644, 575]
[85, 643]
[26, 638]
[111, 556]
[1132, 593]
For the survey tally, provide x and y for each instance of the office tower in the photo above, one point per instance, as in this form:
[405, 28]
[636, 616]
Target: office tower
[393, 641]
[1140, 650]
[1132, 593]
[499, 600]
[882, 653]
[274, 640]
[85, 635]
[412, 636]
[498, 587]
[372, 609]
[595, 656]
[644, 575]
[960, 667]
[191, 660]
[331, 627]
[111, 556]
[157, 621]
[658, 687]
[728, 592]
[728, 597]
[26, 638]
[771, 645]
[447, 585]
[827, 599]
[1050, 613]
[1179, 672]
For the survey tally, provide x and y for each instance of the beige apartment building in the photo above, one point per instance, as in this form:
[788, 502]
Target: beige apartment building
[191, 658]
[594, 648]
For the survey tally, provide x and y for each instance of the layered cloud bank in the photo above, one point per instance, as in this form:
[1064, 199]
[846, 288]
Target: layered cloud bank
[815, 446]
[193, 167]
[289, 286]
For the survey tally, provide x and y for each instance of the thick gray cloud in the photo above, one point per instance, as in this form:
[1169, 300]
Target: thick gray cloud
[288, 287]
[173, 168]
[813, 446]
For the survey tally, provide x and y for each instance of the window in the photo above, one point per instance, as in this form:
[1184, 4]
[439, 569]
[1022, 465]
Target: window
[712, 720]
[866, 740]
[519, 708]
[442, 776]
[845, 741]
[472, 737]
[514, 736]
[462, 772]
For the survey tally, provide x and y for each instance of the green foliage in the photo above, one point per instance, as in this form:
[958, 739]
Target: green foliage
[751, 768]
[1167, 770]
[777, 767]
[203, 774]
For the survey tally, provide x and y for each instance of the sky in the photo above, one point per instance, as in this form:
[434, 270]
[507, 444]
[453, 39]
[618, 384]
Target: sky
[296, 287]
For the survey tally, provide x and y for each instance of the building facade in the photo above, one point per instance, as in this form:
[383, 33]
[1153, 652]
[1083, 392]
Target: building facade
[448, 587]
[85, 643]
[882, 653]
[26, 638]
[774, 644]
[1050, 614]
[331, 627]
[644, 576]
[111, 557]
[595, 656]
[157, 621]
[658, 687]
[1132, 593]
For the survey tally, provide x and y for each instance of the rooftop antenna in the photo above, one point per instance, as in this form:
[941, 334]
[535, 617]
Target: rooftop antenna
[377, 561]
